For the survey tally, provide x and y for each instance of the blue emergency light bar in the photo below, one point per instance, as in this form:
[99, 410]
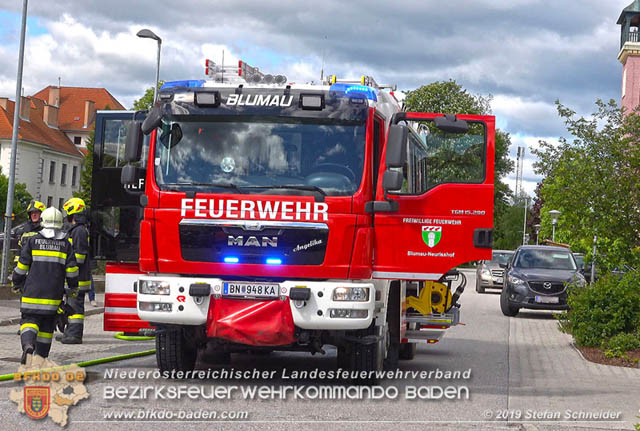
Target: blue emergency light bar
[354, 90]
[189, 83]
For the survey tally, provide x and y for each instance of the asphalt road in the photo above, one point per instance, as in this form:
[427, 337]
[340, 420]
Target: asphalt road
[523, 374]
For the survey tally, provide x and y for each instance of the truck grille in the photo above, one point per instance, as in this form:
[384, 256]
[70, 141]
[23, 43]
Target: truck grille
[552, 288]
[253, 242]
[497, 272]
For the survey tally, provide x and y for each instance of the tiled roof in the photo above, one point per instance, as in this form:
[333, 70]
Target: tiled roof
[72, 102]
[35, 130]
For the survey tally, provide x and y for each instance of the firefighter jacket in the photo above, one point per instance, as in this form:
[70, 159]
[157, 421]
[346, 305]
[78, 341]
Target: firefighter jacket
[43, 266]
[28, 229]
[78, 236]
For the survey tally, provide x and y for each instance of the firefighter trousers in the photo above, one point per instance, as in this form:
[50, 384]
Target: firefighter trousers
[75, 328]
[37, 330]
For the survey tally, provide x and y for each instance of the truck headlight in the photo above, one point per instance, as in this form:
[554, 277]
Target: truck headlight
[154, 306]
[356, 294]
[154, 287]
[515, 280]
[485, 274]
[343, 313]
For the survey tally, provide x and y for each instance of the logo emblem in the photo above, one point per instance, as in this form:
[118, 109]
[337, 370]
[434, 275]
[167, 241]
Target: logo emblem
[36, 401]
[546, 285]
[431, 235]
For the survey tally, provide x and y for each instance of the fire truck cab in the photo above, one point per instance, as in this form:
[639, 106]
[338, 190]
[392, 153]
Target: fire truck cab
[247, 212]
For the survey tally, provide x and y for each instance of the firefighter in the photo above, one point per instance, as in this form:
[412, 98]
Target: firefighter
[30, 228]
[78, 237]
[46, 259]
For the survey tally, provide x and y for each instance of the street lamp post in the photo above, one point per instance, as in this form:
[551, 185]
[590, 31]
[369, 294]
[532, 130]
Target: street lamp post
[537, 228]
[148, 34]
[554, 220]
[4, 269]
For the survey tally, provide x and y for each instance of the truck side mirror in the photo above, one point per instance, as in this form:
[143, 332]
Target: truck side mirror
[153, 120]
[397, 146]
[449, 123]
[392, 180]
[133, 144]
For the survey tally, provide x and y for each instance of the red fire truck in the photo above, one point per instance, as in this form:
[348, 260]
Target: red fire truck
[261, 214]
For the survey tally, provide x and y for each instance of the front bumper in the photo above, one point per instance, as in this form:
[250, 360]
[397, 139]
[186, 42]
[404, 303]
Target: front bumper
[523, 297]
[312, 314]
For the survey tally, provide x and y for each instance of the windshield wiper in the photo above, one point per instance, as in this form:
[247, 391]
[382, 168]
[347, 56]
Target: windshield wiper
[319, 197]
[212, 185]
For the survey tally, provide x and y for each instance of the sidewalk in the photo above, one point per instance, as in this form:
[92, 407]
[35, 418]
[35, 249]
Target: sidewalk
[10, 309]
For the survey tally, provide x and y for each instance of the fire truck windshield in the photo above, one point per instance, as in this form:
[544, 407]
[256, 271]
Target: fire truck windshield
[261, 155]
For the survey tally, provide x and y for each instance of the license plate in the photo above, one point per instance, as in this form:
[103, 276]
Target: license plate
[499, 280]
[547, 299]
[253, 290]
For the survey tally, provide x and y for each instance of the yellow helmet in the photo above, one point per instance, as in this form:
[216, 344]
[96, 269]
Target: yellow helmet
[35, 205]
[74, 206]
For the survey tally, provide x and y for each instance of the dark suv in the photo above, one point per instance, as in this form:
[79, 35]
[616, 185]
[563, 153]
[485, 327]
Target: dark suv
[537, 278]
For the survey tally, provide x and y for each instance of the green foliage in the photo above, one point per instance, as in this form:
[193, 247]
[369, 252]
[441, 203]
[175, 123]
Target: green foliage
[609, 307]
[87, 172]
[508, 235]
[618, 345]
[593, 180]
[146, 101]
[450, 97]
[21, 198]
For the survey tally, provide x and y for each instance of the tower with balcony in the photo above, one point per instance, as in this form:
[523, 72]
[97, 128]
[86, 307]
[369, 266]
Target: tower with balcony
[629, 55]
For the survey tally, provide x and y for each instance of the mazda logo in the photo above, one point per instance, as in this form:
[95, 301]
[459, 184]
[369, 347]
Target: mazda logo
[546, 285]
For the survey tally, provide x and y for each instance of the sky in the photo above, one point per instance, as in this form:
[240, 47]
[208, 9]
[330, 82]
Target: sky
[526, 54]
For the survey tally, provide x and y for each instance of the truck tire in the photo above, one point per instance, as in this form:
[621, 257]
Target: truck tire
[175, 350]
[506, 308]
[361, 356]
[407, 351]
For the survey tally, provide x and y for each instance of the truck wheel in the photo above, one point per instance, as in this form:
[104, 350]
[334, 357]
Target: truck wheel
[175, 350]
[479, 288]
[507, 309]
[365, 354]
[408, 351]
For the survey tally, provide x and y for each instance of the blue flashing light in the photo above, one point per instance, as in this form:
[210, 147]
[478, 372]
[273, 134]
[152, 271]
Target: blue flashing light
[274, 261]
[230, 259]
[189, 83]
[353, 90]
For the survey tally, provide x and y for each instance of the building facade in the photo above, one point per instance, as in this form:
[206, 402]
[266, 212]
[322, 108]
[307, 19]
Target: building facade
[629, 55]
[54, 127]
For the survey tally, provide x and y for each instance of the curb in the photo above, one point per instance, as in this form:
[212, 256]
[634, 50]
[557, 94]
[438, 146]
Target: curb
[573, 344]
[16, 320]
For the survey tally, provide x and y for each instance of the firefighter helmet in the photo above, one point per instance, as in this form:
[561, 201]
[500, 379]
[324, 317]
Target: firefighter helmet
[51, 218]
[35, 205]
[74, 206]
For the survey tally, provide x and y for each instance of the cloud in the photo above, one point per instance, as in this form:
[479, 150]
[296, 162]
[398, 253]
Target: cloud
[527, 53]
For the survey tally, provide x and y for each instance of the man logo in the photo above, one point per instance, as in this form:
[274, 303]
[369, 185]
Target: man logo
[546, 285]
[36, 401]
[252, 241]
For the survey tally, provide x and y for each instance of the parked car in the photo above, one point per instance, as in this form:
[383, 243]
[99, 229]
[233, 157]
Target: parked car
[489, 273]
[584, 268]
[537, 277]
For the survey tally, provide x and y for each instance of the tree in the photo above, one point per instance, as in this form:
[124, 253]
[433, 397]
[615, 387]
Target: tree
[450, 97]
[21, 198]
[510, 223]
[594, 182]
[87, 173]
[146, 101]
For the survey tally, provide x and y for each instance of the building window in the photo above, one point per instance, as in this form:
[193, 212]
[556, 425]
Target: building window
[52, 172]
[77, 140]
[63, 175]
[74, 176]
[60, 203]
[49, 201]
